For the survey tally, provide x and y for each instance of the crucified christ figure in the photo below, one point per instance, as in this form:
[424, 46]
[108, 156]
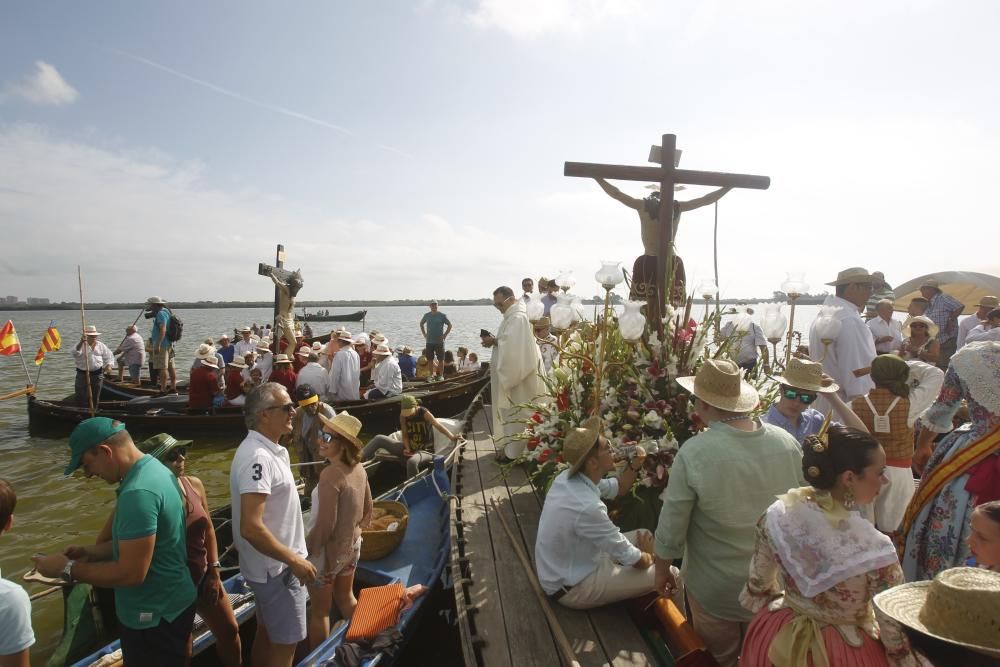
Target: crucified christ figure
[288, 284]
[644, 269]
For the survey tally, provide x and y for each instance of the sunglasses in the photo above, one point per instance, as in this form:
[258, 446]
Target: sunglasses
[287, 407]
[918, 325]
[803, 396]
[176, 453]
[326, 437]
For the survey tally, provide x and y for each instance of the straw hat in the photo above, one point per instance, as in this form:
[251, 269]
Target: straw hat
[407, 349]
[807, 375]
[378, 339]
[932, 283]
[407, 405]
[541, 323]
[579, 442]
[237, 363]
[162, 444]
[343, 424]
[317, 346]
[263, 347]
[382, 351]
[281, 359]
[720, 383]
[989, 302]
[855, 274]
[303, 351]
[932, 329]
[91, 330]
[961, 606]
[153, 300]
[204, 350]
[210, 361]
[246, 330]
[345, 335]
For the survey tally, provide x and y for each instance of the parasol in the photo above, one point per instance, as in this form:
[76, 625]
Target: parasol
[966, 286]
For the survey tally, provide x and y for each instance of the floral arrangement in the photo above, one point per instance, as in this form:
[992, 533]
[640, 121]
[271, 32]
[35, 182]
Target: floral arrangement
[640, 403]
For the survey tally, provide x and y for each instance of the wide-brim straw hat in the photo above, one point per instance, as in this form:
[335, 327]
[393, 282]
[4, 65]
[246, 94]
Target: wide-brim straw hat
[304, 351]
[932, 328]
[344, 424]
[720, 383]
[263, 347]
[205, 350]
[855, 274]
[154, 300]
[960, 606]
[246, 330]
[989, 302]
[281, 359]
[580, 441]
[382, 351]
[346, 336]
[807, 375]
[237, 363]
[210, 361]
[541, 323]
[317, 346]
[91, 330]
[933, 283]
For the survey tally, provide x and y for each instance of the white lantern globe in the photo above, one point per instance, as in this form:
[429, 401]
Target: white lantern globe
[632, 323]
[610, 274]
[561, 313]
[535, 308]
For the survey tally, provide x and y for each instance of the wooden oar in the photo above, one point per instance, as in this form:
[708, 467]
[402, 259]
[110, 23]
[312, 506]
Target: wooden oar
[561, 639]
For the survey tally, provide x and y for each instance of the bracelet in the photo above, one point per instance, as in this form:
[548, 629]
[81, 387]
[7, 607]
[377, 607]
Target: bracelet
[217, 565]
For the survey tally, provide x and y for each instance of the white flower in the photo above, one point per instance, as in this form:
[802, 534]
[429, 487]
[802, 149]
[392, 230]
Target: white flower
[652, 419]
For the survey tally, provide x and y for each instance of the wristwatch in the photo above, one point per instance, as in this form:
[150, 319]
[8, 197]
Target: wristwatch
[67, 573]
[217, 565]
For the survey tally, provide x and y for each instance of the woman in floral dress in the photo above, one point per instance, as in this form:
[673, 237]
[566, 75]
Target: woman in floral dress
[818, 564]
[964, 469]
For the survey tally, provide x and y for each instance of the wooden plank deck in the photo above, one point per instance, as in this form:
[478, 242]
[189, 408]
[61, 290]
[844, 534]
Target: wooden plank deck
[503, 616]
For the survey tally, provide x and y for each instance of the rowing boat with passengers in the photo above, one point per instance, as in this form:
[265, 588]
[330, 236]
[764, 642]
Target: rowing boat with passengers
[169, 414]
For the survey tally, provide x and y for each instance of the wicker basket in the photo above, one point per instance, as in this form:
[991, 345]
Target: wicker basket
[377, 544]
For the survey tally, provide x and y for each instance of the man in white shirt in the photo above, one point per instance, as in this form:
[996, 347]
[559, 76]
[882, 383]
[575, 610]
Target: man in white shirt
[751, 343]
[314, 375]
[245, 345]
[988, 331]
[133, 355]
[267, 526]
[345, 372]
[582, 558]
[92, 359]
[848, 359]
[264, 362]
[986, 304]
[528, 287]
[886, 331]
[386, 375]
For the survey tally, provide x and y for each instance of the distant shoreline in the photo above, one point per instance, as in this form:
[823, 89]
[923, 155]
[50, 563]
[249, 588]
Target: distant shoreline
[356, 304]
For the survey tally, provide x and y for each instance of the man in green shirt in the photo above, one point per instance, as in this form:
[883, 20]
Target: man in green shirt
[146, 561]
[432, 326]
[721, 482]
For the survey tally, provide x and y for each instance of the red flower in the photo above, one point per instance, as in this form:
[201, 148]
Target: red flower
[559, 459]
[537, 418]
[562, 401]
[533, 443]
[557, 434]
[544, 456]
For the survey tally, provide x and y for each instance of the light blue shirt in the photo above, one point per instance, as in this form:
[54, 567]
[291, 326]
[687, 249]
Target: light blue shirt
[809, 424]
[575, 529]
[162, 318]
[15, 619]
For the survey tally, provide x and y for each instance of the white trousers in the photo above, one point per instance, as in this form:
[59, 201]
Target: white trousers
[611, 582]
[890, 504]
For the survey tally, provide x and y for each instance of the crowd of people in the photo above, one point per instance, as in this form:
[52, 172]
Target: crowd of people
[799, 531]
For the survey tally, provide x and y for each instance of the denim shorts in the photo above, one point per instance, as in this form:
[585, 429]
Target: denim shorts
[281, 607]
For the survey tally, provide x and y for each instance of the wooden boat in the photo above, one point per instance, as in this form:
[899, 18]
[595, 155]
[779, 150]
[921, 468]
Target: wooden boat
[113, 390]
[419, 559]
[169, 414]
[356, 316]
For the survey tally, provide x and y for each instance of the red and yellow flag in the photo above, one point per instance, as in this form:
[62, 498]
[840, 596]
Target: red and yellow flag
[8, 340]
[50, 343]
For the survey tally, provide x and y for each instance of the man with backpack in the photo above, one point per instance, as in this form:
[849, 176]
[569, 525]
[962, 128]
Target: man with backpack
[167, 329]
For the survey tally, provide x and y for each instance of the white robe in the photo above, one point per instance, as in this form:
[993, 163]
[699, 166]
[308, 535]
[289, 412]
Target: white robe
[514, 377]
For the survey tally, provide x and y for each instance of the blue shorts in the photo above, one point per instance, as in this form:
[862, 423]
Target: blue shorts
[281, 607]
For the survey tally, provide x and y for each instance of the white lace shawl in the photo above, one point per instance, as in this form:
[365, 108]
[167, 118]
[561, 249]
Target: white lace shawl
[978, 364]
[821, 548]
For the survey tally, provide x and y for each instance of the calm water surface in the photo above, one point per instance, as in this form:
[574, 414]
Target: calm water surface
[54, 512]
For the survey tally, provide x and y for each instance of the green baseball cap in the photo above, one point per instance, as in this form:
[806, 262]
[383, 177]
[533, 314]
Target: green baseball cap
[89, 433]
[161, 444]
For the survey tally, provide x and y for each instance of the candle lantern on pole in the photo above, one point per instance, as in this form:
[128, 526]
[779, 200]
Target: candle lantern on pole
[793, 287]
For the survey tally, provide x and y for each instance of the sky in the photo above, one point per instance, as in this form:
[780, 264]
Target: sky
[416, 149]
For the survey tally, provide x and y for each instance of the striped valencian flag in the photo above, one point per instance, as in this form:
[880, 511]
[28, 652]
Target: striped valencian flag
[50, 343]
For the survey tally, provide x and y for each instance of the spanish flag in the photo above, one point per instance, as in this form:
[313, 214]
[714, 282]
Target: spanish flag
[8, 340]
[50, 343]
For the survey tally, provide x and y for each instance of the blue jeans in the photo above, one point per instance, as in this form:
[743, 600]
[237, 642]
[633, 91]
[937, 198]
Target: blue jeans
[134, 370]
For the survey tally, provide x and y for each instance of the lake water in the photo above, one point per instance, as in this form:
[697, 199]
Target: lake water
[54, 512]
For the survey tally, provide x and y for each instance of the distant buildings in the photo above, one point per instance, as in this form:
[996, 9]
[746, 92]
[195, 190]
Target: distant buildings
[37, 301]
[8, 299]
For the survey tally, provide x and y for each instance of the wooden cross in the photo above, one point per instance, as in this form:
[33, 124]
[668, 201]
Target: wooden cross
[667, 175]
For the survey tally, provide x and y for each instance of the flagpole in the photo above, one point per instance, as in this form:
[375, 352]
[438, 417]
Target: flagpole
[86, 353]
[20, 355]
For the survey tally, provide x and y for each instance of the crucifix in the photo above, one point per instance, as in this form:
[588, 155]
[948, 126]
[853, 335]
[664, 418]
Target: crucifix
[667, 175]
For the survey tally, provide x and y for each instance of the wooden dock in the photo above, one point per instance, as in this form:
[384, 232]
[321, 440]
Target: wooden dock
[502, 620]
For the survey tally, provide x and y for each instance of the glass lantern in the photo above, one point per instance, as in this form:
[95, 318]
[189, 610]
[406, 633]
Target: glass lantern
[708, 290]
[565, 280]
[773, 323]
[632, 322]
[579, 314]
[561, 313]
[609, 275]
[827, 326]
[794, 285]
[535, 308]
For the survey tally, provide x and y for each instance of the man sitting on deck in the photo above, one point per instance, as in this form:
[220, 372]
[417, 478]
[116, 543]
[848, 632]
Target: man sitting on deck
[583, 560]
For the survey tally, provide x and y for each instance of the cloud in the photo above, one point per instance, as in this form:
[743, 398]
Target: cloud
[44, 87]
[140, 223]
[532, 18]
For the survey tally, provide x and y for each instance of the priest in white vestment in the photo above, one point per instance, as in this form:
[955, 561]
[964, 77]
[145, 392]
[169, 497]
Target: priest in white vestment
[514, 371]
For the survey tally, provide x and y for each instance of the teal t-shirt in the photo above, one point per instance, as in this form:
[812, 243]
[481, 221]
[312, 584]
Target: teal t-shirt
[162, 318]
[149, 503]
[434, 323]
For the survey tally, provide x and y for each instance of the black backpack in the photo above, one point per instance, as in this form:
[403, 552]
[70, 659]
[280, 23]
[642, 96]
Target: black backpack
[175, 328]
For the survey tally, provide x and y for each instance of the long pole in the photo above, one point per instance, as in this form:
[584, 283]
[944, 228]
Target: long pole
[715, 259]
[599, 371]
[20, 355]
[791, 328]
[279, 262]
[561, 639]
[86, 352]
[665, 227]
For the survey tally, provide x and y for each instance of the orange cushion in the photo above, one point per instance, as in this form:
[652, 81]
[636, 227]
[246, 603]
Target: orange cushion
[378, 608]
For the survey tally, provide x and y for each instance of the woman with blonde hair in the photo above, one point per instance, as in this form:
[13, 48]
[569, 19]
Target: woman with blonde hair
[919, 340]
[341, 505]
